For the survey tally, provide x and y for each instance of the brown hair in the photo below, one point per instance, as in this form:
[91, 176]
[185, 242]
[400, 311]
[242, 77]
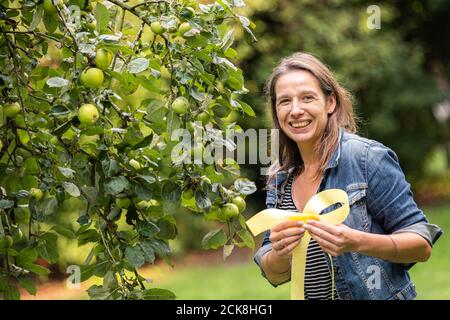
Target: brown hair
[342, 116]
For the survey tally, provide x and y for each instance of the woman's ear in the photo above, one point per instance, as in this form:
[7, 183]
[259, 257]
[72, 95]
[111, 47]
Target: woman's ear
[331, 103]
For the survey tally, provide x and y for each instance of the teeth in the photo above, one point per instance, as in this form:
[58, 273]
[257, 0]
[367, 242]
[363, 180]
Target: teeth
[300, 124]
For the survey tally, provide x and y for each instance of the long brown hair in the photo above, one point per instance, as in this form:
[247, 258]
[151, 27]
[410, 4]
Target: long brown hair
[342, 116]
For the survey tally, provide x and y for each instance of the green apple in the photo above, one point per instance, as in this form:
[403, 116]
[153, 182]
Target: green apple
[156, 27]
[183, 28]
[92, 78]
[88, 114]
[203, 117]
[188, 194]
[229, 211]
[123, 202]
[103, 58]
[10, 110]
[36, 193]
[6, 241]
[180, 105]
[240, 203]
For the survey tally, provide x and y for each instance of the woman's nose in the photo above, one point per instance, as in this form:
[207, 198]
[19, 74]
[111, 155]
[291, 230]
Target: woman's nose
[296, 107]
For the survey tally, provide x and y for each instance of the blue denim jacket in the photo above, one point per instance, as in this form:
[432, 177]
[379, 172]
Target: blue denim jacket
[381, 202]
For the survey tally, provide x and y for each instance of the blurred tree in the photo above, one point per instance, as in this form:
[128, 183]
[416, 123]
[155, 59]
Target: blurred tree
[391, 70]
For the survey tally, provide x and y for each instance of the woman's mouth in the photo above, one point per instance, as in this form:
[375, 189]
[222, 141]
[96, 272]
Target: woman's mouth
[300, 124]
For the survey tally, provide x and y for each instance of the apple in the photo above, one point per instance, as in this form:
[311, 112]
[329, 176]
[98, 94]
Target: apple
[10, 110]
[6, 241]
[103, 58]
[156, 27]
[240, 203]
[180, 105]
[123, 202]
[183, 28]
[203, 117]
[88, 114]
[92, 78]
[188, 194]
[36, 193]
[229, 211]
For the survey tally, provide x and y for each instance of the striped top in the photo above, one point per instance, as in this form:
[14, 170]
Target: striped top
[318, 279]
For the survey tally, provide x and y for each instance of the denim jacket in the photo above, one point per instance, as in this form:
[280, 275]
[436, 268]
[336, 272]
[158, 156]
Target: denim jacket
[380, 202]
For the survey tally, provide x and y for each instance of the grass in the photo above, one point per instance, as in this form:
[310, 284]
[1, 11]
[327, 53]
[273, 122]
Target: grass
[244, 281]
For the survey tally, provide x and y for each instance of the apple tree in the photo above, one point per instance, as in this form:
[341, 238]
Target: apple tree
[91, 95]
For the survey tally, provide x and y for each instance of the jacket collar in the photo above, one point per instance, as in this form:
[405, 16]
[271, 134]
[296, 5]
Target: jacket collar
[334, 161]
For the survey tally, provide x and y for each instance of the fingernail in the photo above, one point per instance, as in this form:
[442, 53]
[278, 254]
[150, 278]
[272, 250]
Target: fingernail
[300, 223]
[302, 229]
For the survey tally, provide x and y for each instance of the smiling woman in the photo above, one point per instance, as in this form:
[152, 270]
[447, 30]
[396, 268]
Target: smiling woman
[385, 232]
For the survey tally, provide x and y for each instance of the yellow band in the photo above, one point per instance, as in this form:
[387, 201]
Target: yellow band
[268, 218]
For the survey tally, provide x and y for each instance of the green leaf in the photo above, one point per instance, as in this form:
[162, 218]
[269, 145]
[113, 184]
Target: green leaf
[214, 239]
[66, 172]
[47, 247]
[57, 82]
[101, 16]
[116, 185]
[244, 186]
[35, 268]
[147, 228]
[246, 108]
[138, 65]
[37, 17]
[28, 284]
[5, 204]
[96, 292]
[27, 255]
[202, 200]
[87, 236]
[168, 229]
[158, 294]
[142, 192]
[110, 167]
[247, 238]
[148, 251]
[64, 231]
[51, 22]
[71, 189]
[134, 256]
[11, 293]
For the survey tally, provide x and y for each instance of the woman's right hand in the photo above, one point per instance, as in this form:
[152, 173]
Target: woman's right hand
[285, 236]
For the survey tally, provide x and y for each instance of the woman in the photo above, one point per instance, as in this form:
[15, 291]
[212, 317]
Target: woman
[385, 232]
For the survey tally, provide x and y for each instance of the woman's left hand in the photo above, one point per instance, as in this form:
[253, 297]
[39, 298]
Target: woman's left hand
[333, 239]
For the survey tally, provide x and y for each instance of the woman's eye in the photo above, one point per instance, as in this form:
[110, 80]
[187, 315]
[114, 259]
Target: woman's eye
[308, 98]
[283, 102]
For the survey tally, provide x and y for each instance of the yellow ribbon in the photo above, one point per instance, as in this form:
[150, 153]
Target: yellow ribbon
[268, 218]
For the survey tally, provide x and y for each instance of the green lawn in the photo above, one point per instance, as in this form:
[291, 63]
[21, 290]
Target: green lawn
[231, 281]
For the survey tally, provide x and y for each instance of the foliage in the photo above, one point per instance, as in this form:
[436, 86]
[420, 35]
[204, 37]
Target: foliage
[392, 71]
[117, 158]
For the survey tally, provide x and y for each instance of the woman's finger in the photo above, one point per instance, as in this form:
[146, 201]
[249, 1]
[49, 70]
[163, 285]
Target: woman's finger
[321, 233]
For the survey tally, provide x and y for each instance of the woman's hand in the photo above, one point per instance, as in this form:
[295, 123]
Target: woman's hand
[334, 240]
[285, 236]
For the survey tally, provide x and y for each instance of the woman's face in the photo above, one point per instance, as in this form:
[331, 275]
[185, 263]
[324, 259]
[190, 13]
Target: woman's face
[302, 108]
